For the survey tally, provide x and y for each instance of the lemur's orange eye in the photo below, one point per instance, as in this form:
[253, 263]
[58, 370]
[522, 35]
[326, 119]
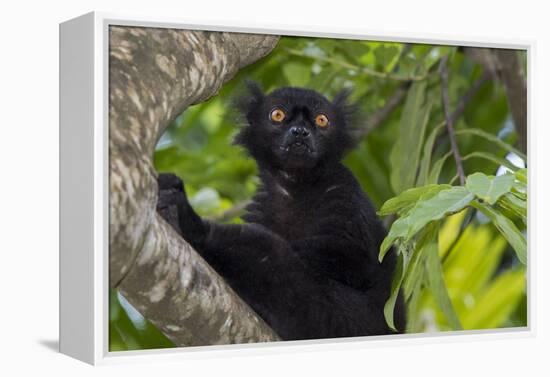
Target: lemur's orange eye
[277, 115]
[321, 120]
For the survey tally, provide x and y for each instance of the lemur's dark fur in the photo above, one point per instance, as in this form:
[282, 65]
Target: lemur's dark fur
[307, 258]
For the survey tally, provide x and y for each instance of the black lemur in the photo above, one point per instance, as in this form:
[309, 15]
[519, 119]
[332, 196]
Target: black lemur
[306, 260]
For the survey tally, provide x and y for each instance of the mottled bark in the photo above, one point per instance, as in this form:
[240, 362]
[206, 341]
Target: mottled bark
[505, 65]
[154, 74]
[516, 90]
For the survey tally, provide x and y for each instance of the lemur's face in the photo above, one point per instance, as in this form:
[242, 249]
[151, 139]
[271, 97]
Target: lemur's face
[293, 128]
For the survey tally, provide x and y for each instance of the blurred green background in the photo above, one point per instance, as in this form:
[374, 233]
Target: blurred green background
[485, 282]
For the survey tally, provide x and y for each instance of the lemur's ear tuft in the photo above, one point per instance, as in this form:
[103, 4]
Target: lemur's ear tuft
[341, 99]
[244, 105]
[349, 113]
[254, 89]
[249, 98]
[347, 109]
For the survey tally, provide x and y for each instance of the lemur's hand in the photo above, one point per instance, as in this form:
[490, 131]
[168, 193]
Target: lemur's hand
[174, 207]
[171, 197]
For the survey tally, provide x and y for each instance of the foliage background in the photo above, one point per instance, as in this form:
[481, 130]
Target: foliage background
[482, 281]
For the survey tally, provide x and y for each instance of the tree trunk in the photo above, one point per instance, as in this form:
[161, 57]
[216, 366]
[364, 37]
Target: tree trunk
[505, 64]
[154, 74]
[516, 90]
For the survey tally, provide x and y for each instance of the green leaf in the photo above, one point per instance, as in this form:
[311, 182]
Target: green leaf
[515, 205]
[491, 138]
[437, 284]
[205, 201]
[413, 315]
[436, 170]
[472, 263]
[498, 301]
[427, 156]
[507, 228]
[491, 157]
[415, 270]
[449, 232]
[519, 194]
[386, 56]
[354, 50]
[489, 188]
[297, 74]
[395, 286]
[520, 187]
[442, 204]
[406, 150]
[521, 175]
[408, 198]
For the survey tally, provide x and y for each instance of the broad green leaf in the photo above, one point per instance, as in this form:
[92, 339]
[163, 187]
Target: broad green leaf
[297, 74]
[322, 81]
[206, 200]
[489, 188]
[469, 267]
[514, 204]
[494, 306]
[413, 316]
[520, 190]
[395, 286]
[491, 157]
[436, 169]
[386, 56]
[415, 266]
[408, 198]
[506, 228]
[406, 150]
[354, 50]
[449, 231]
[472, 263]
[480, 265]
[520, 187]
[520, 195]
[437, 284]
[398, 230]
[521, 175]
[492, 138]
[414, 273]
[442, 204]
[427, 156]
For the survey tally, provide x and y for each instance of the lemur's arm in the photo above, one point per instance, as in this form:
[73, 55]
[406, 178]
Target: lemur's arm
[227, 247]
[246, 255]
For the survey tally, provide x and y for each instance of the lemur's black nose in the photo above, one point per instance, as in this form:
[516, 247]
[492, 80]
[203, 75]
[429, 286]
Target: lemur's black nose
[299, 131]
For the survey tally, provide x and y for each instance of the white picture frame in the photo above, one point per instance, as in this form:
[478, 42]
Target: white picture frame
[84, 199]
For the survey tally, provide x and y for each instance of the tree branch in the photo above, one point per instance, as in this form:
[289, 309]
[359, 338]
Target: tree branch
[444, 73]
[516, 91]
[505, 65]
[464, 100]
[155, 74]
[470, 93]
[380, 115]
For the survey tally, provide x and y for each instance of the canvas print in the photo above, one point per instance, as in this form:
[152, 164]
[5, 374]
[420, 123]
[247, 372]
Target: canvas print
[269, 188]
